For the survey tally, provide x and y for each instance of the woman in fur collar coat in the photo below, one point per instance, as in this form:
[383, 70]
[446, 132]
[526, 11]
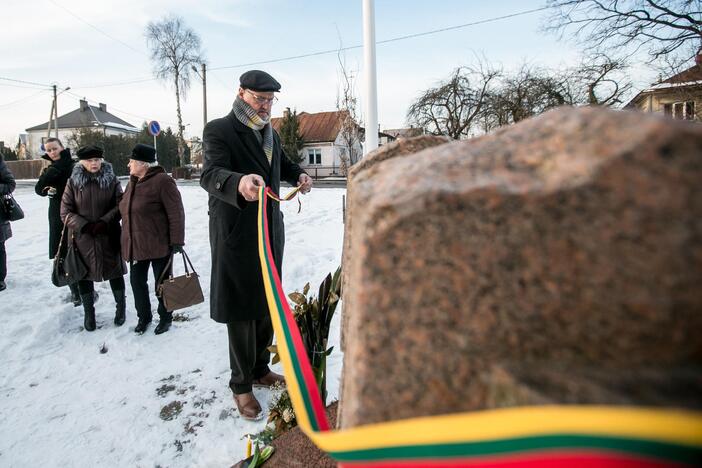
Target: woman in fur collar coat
[90, 206]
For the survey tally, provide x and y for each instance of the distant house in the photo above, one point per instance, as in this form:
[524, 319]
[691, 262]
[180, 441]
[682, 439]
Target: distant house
[679, 97]
[85, 117]
[325, 144]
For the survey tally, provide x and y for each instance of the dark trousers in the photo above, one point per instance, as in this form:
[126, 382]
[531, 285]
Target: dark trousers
[248, 352]
[138, 277]
[87, 286]
[3, 261]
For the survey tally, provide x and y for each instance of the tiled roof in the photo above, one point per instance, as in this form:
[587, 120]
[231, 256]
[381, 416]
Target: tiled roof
[690, 75]
[319, 127]
[404, 132]
[87, 116]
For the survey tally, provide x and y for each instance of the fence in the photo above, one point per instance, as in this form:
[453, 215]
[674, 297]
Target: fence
[320, 172]
[27, 169]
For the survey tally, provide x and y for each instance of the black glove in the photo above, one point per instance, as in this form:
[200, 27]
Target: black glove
[87, 228]
[99, 228]
[177, 248]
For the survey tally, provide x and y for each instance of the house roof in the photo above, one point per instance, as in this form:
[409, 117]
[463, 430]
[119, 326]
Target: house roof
[690, 77]
[319, 127]
[88, 116]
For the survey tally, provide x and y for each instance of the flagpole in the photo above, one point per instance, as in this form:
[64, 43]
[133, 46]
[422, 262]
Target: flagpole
[371, 97]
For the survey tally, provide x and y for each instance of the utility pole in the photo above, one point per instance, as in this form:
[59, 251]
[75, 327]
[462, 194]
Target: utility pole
[203, 77]
[55, 114]
[52, 113]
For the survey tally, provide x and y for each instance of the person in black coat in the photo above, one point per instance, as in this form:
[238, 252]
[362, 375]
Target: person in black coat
[52, 183]
[241, 153]
[7, 185]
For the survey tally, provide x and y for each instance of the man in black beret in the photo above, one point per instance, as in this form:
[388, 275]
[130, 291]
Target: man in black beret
[242, 152]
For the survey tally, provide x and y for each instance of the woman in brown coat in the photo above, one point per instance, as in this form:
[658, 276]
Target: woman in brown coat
[153, 227]
[89, 207]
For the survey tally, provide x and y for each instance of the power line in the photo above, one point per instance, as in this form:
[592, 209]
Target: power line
[26, 98]
[395, 39]
[26, 82]
[115, 83]
[96, 28]
[119, 110]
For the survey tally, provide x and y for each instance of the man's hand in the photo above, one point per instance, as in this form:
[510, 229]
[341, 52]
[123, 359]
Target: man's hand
[249, 185]
[304, 182]
[177, 248]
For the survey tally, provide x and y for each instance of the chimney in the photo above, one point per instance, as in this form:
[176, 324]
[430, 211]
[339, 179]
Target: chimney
[103, 107]
[83, 105]
[286, 113]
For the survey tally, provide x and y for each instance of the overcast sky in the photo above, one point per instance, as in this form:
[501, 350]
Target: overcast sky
[91, 45]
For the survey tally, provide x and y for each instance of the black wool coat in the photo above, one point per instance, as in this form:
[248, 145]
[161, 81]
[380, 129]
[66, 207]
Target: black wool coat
[231, 150]
[7, 185]
[55, 175]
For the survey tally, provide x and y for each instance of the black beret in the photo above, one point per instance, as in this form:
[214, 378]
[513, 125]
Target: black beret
[89, 152]
[144, 153]
[257, 80]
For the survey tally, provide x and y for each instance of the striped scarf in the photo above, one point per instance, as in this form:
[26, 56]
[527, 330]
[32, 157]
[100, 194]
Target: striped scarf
[248, 116]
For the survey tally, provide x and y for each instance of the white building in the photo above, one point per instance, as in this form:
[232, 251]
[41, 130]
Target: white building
[86, 116]
[326, 147]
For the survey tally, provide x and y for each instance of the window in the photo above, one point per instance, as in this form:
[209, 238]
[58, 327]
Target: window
[314, 156]
[683, 110]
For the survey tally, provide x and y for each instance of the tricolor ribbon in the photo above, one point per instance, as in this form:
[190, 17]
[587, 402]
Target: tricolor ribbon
[583, 436]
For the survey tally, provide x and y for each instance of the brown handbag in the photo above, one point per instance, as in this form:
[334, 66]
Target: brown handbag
[181, 291]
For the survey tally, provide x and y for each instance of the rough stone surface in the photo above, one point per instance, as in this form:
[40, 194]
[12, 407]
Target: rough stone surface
[364, 169]
[555, 261]
[295, 449]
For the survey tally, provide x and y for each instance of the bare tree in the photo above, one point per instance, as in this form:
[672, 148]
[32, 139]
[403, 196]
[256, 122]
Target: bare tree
[455, 107]
[528, 92]
[349, 119]
[599, 80]
[174, 49]
[663, 27]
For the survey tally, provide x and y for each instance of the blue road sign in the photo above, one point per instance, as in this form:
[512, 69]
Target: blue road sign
[154, 128]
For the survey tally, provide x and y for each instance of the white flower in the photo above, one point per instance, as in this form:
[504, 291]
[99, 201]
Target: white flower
[288, 415]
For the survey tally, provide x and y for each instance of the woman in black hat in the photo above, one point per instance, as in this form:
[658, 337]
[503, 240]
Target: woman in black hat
[7, 185]
[89, 206]
[153, 227]
[52, 183]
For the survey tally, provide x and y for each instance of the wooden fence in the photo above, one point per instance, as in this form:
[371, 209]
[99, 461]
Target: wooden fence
[27, 169]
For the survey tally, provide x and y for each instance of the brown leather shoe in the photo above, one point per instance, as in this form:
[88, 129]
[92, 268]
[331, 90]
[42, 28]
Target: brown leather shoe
[248, 406]
[269, 380]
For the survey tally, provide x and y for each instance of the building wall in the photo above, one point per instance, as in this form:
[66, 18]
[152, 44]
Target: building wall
[656, 101]
[36, 137]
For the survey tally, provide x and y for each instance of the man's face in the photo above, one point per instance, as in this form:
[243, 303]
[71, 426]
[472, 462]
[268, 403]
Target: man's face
[260, 101]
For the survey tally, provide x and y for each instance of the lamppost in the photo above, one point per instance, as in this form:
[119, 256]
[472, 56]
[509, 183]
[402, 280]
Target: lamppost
[203, 77]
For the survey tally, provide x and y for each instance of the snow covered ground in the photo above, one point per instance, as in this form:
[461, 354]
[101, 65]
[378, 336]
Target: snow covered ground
[149, 400]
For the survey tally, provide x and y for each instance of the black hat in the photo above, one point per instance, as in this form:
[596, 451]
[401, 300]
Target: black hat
[89, 152]
[144, 153]
[257, 80]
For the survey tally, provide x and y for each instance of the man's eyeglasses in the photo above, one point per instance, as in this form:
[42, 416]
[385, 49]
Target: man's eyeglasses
[262, 100]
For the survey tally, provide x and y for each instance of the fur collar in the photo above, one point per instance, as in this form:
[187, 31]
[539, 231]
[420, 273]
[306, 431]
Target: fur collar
[104, 177]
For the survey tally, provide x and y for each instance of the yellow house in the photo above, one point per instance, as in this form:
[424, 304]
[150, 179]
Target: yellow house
[679, 97]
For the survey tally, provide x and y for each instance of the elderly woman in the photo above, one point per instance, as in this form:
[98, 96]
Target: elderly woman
[90, 208]
[153, 227]
[52, 183]
[7, 185]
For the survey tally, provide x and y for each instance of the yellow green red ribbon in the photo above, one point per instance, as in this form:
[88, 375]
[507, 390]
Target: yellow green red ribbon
[523, 437]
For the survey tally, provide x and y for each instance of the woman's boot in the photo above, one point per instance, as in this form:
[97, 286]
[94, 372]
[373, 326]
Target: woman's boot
[121, 309]
[89, 311]
[75, 295]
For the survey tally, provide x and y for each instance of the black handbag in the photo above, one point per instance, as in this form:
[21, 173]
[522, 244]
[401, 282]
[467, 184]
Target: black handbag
[11, 209]
[69, 266]
[181, 291]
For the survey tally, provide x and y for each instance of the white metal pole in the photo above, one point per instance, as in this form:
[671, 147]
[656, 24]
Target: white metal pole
[371, 101]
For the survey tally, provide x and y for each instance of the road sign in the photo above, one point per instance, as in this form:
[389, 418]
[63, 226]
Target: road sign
[154, 128]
